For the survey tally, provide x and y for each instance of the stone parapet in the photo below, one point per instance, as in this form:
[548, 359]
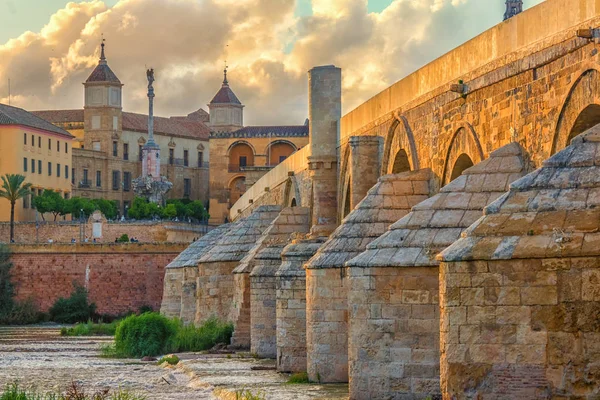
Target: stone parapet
[291, 305]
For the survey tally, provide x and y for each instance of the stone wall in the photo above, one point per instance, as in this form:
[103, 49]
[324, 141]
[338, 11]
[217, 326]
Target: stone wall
[119, 277]
[63, 232]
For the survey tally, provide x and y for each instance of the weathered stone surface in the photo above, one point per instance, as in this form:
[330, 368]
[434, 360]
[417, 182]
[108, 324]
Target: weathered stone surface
[326, 286]
[518, 294]
[393, 285]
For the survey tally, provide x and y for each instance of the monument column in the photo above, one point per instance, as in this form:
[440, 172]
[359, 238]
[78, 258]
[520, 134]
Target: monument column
[365, 164]
[325, 110]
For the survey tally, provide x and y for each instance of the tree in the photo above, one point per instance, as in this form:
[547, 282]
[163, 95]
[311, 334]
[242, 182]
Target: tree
[75, 204]
[50, 201]
[139, 208]
[169, 211]
[107, 207]
[13, 188]
[196, 210]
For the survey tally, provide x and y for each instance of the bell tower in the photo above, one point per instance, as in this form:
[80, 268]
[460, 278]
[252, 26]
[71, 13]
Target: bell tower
[513, 7]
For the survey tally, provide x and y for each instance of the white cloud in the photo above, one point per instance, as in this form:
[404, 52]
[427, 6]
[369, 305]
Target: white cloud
[187, 41]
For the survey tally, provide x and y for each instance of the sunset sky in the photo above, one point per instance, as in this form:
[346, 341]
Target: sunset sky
[49, 47]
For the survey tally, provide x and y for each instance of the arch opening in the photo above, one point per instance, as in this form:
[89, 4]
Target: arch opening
[347, 205]
[240, 155]
[294, 204]
[237, 188]
[278, 152]
[401, 162]
[589, 117]
[462, 163]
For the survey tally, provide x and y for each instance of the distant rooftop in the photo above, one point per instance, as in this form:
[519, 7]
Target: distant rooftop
[102, 72]
[10, 115]
[266, 131]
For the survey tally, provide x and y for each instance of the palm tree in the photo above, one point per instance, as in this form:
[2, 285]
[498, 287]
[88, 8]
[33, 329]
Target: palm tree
[13, 189]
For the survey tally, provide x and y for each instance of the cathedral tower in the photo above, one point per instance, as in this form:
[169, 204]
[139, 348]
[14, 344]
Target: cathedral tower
[226, 111]
[513, 7]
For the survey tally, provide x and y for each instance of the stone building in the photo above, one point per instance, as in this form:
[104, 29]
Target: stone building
[107, 149]
[40, 151]
[241, 155]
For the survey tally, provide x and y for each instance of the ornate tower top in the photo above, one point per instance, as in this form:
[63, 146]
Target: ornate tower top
[225, 76]
[513, 7]
[102, 72]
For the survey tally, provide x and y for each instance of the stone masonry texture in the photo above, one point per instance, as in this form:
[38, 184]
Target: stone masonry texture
[518, 292]
[326, 284]
[400, 305]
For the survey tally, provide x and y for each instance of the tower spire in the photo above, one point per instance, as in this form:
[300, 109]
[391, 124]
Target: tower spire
[225, 82]
[513, 7]
[102, 56]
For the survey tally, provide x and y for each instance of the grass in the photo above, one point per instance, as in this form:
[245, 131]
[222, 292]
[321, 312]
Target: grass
[171, 360]
[152, 334]
[91, 329]
[246, 394]
[73, 392]
[298, 378]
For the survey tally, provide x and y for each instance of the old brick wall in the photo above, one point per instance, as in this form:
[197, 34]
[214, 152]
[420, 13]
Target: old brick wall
[119, 277]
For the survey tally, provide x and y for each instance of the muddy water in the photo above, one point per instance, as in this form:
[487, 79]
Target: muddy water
[39, 357]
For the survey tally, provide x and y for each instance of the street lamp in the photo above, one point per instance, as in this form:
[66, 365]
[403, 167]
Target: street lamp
[81, 227]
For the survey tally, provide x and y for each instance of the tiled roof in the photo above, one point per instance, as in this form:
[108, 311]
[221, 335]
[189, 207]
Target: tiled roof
[266, 131]
[137, 123]
[552, 212]
[198, 115]
[103, 73]
[190, 256]
[386, 202]
[236, 243]
[17, 116]
[438, 222]
[225, 96]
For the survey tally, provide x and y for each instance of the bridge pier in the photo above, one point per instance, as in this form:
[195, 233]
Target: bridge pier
[365, 165]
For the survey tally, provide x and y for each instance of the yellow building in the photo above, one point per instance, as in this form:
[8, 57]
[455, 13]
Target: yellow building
[241, 155]
[35, 148]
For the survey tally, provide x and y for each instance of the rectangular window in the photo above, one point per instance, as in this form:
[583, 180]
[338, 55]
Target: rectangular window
[25, 164]
[32, 166]
[125, 151]
[243, 161]
[140, 152]
[57, 145]
[200, 159]
[24, 138]
[66, 147]
[85, 178]
[26, 202]
[186, 158]
[49, 168]
[116, 180]
[73, 176]
[32, 198]
[98, 179]
[187, 187]
[49, 144]
[171, 156]
[115, 149]
[40, 167]
[40, 142]
[66, 172]
[126, 181]
[96, 146]
[282, 158]
[58, 170]
[32, 140]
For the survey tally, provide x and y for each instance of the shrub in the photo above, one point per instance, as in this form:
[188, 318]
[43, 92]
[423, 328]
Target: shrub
[144, 309]
[298, 378]
[91, 329]
[212, 332]
[73, 392]
[124, 238]
[74, 309]
[149, 334]
[23, 313]
[171, 360]
[246, 394]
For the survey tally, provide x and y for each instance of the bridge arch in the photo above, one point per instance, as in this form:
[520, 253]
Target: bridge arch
[464, 151]
[292, 197]
[580, 110]
[345, 178]
[399, 143]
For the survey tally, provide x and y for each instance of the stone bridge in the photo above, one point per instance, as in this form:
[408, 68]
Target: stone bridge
[440, 240]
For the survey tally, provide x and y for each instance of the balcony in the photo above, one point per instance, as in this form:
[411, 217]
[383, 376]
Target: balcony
[238, 167]
[85, 184]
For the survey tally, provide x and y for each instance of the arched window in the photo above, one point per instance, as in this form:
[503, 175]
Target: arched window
[278, 152]
[462, 162]
[240, 155]
[237, 188]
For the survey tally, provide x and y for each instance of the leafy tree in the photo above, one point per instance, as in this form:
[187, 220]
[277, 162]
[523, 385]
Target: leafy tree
[13, 188]
[153, 210]
[107, 207]
[139, 208]
[196, 210]
[75, 204]
[6, 286]
[74, 309]
[170, 211]
[50, 202]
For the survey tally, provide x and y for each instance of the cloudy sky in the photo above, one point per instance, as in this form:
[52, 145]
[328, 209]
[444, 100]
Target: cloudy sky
[49, 47]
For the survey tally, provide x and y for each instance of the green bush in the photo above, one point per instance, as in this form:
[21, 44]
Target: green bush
[74, 309]
[298, 378]
[91, 329]
[73, 392]
[171, 360]
[212, 332]
[149, 334]
[124, 238]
